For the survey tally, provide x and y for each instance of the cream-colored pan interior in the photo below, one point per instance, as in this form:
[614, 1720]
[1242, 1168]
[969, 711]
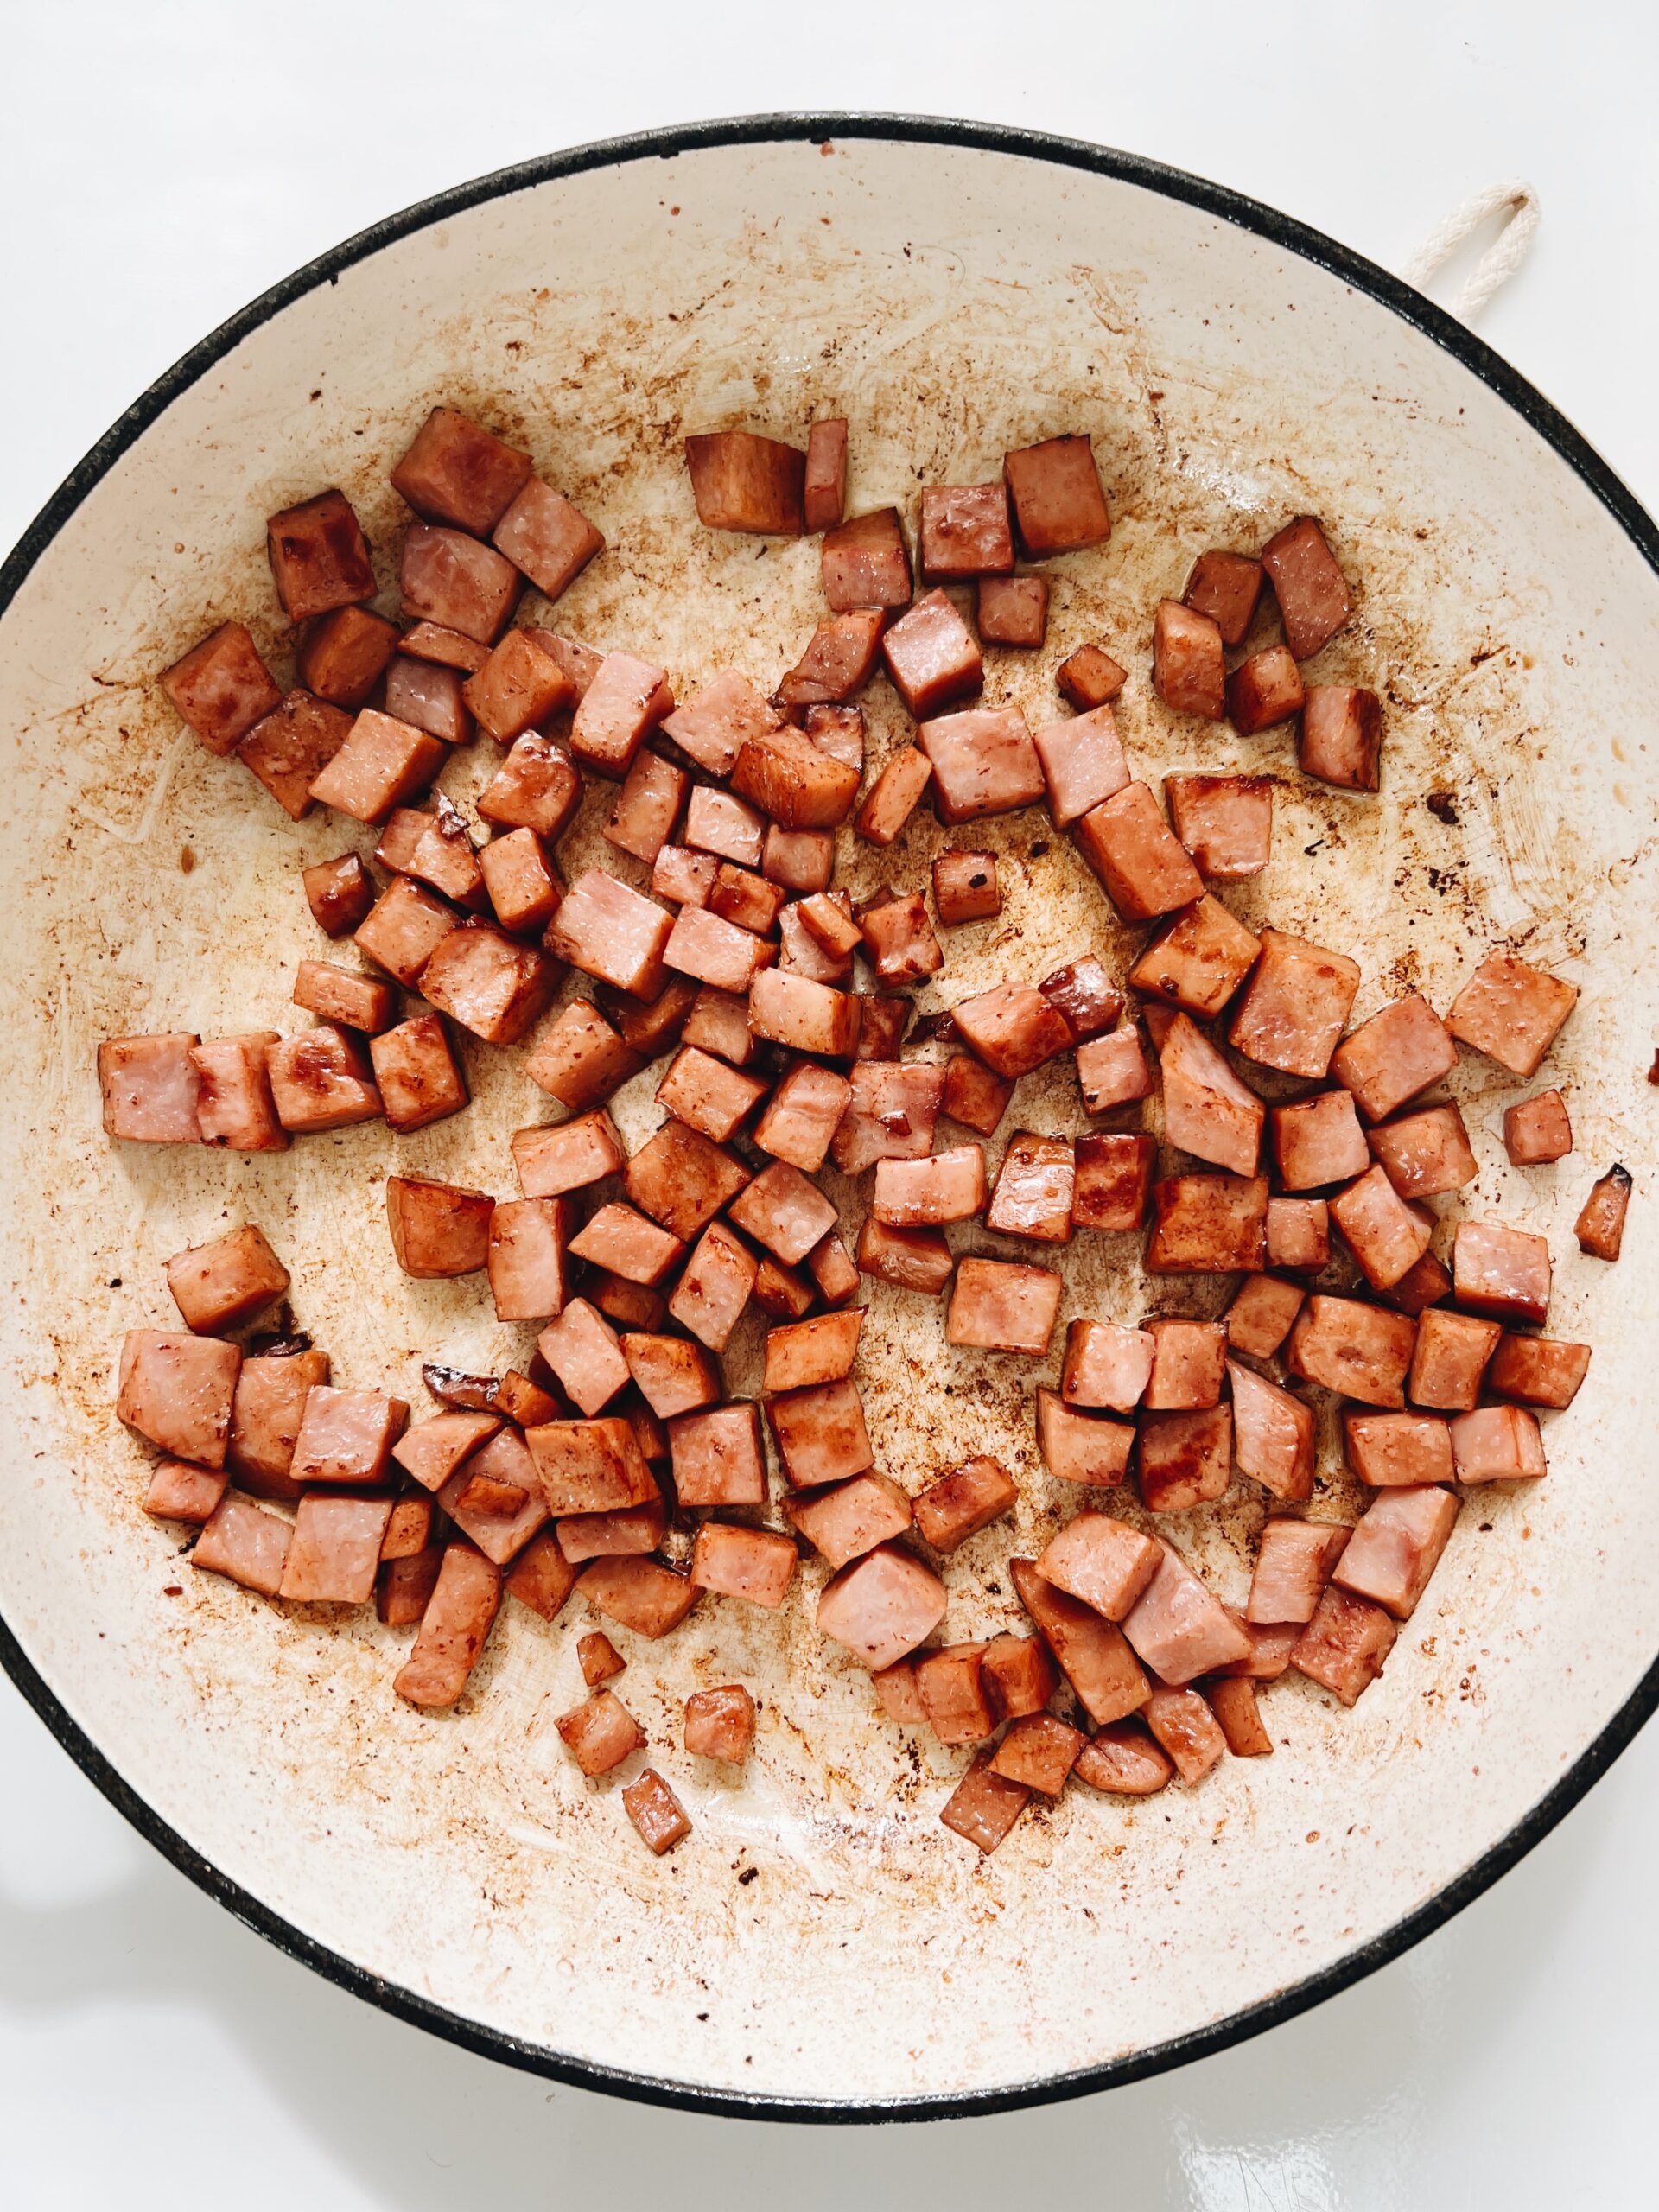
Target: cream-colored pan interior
[820, 1935]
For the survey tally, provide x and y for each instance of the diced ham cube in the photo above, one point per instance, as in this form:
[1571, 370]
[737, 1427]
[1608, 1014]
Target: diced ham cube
[176, 1391]
[179, 1491]
[1511, 1012]
[1080, 1447]
[1293, 1561]
[1208, 1111]
[1019, 1673]
[1107, 1365]
[720, 1724]
[1225, 822]
[851, 1518]
[220, 1285]
[1396, 1546]
[974, 1094]
[579, 662]
[900, 938]
[405, 929]
[1000, 1306]
[1396, 1054]
[432, 698]
[965, 532]
[453, 580]
[1084, 996]
[840, 659]
[1270, 1649]
[579, 1059]
[1387, 1233]
[1357, 1351]
[234, 1107]
[714, 951]
[382, 764]
[318, 557]
[1234, 1703]
[714, 1287]
[518, 686]
[265, 1413]
[1103, 1561]
[928, 1193]
[782, 1211]
[1262, 1314]
[1186, 1730]
[798, 860]
[1537, 1130]
[1343, 1646]
[1124, 1760]
[823, 492]
[590, 1466]
[706, 1095]
[347, 1436]
[1039, 1751]
[803, 1115]
[290, 748]
[520, 881]
[489, 984]
[442, 648]
[959, 1504]
[623, 704]
[1011, 610]
[457, 472]
[1177, 1627]
[1291, 1014]
[221, 687]
[339, 893]
[1503, 1273]
[547, 538]
[598, 1657]
[1497, 1444]
[1538, 1370]
[1199, 959]
[802, 1015]
[1189, 670]
[625, 1243]
[1034, 1189]
[865, 562]
[611, 932]
[526, 1260]
[640, 1594]
[356, 1001]
[1225, 587]
[245, 1544]
[908, 1259]
[965, 888]
[654, 1024]
[681, 1180]
[821, 1433]
[952, 1695]
[795, 782]
[1341, 738]
[683, 878]
[717, 1454]
[1145, 869]
[1188, 1362]
[743, 481]
[822, 1350]
[1089, 677]
[655, 1812]
[1012, 1028]
[600, 1733]
[719, 1023]
[1114, 1177]
[1298, 1235]
[881, 1607]
[1319, 1140]
[984, 762]
[1112, 1070]
[712, 726]
[757, 1565]
[318, 1081]
[1600, 1225]
[1425, 1154]
[672, 1375]
[785, 1294]
[1059, 504]
[433, 1450]
[582, 1350]
[334, 1552]
[458, 1617]
[1449, 1360]
[1273, 1435]
[1420, 1287]
[538, 787]
[1314, 601]
[1185, 1458]
[1092, 1652]
[932, 656]
[983, 1807]
[1208, 1225]
[717, 823]
[516, 1398]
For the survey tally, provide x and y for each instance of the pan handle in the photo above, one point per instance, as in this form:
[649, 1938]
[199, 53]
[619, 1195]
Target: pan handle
[1518, 202]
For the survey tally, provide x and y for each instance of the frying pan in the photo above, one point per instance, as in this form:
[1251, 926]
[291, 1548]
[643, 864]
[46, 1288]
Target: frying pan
[821, 1946]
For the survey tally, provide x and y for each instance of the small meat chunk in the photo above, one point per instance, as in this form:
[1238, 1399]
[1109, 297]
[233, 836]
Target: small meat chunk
[1185, 1458]
[518, 687]
[1538, 1130]
[1225, 587]
[525, 1258]
[179, 1491]
[714, 1287]
[1199, 959]
[1107, 1365]
[176, 1391]
[1189, 671]
[356, 1001]
[720, 1724]
[405, 929]
[1343, 1646]
[1298, 999]
[1013, 1027]
[318, 557]
[621, 706]
[655, 1812]
[865, 562]
[804, 1016]
[432, 1450]
[1208, 1110]
[245, 1544]
[1208, 1225]
[794, 782]
[1145, 869]
[881, 1607]
[600, 1733]
[611, 932]
[929, 1193]
[840, 659]
[1273, 1434]
[1019, 1673]
[1293, 1561]
[1225, 822]
[1112, 1070]
[220, 1285]
[745, 482]
[333, 1555]
[959, 1504]
[717, 1454]
[291, 746]
[822, 1350]
[151, 1088]
[1082, 1447]
[1341, 740]
[579, 1059]
[908, 1259]
[347, 1436]
[1425, 1154]
[1449, 1358]
[382, 764]
[1387, 1233]
[1314, 601]
[1091, 1651]
[821, 1433]
[1055, 491]
[757, 1565]
[1179, 1628]
[1357, 1351]
[547, 538]
[1011, 610]
[1104, 1562]
[1261, 1315]
[1511, 1012]
[455, 471]
[1500, 1272]
[848, 1519]
[1298, 1235]
[1000, 1306]
[1034, 1189]
[1396, 1546]
[900, 940]
[339, 893]
[1083, 762]
[1089, 677]
[1186, 1729]
[1538, 1370]
[983, 1807]
[1189, 1360]
[984, 762]
[537, 787]
[1039, 1751]
[450, 579]
[1264, 691]
[932, 656]
[974, 1094]
[682, 1180]
[1124, 1760]
[221, 687]
[1319, 1140]
[1497, 1443]
[1395, 1055]
[1600, 1225]
[965, 531]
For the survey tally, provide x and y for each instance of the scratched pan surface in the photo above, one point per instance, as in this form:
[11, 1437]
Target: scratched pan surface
[821, 1943]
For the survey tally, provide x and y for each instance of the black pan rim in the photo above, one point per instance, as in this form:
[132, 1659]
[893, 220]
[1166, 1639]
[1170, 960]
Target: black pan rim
[1245, 213]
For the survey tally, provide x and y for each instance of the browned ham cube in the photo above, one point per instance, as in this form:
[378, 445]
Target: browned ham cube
[582, 1350]
[1185, 1458]
[953, 1694]
[1396, 1546]
[851, 1518]
[803, 1115]
[881, 1607]
[598, 1657]
[234, 1107]
[712, 726]
[1002, 1306]
[450, 579]
[520, 881]
[1188, 664]
[1424, 1285]
[1449, 1359]
[983, 1807]
[1092, 1652]
[840, 659]
[652, 1025]
[1273, 1434]
[245, 1544]
[266, 1415]
[1144, 867]
[1264, 691]
[908, 1259]
[1113, 1181]
[1357, 1351]
[1124, 1760]
[319, 1081]
[1225, 822]
[1387, 1233]
[640, 1594]
[347, 1436]
[929, 1193]
[757, 1565]
[823, 492]
[1293, 1561]
[432, 697]
[222, 688]
[965, 532]
[1012, 1028]
[1298, 1235]
[1059, 504]
[537, 787]
[892, 1114]
[782, 1211]
[708, 1095]
[1112, 1071]
[714, 1287]
[1104, 1562]
[356, 1001]
[1262, 1314]
[714, 952]
[318, 557]
[433, 1450]
[1083, 761]
[974, 1094]
[821, 1349]
[1082, 1447]
[804, 1016]
[965, 888]
[1291, 1014]
[457, 472]
[682, 1180]
[655, 1812]
[339, 893]
[1208, 1225]
[717, 1455]
[1034, 1188]
[672, 1375]
[1511, 1012]
[1107, 1366]
[865, 562]
[579, 1059]
[1341, 739]
[518, 686]
[1313, 598]
[526, 1259]
[1187, 1730]
[1091, 678]
[743, 481]
[899, 938]
[176, 1391]
[382, 764]
[1225, 587]
[1538, 1370]
[1199, 959]
[611, 932]
[1208, 1110]
[798, 860]
[334, 1552]
[1600, 1225]
[1269, 1654]
[621, 706]
[626, 1244]
[290, 748]
[1019, 1673]
[821, 1433]
[785, 1294]
[1497, 1443]
[600, 1733]
[959, 1504]
[717, 823]
[720, 1724]
[220, 1285]
[1425, 1154]
[1538, 1130]
[984, 762]
[892, 798]
[589, 1466]
[179, 1491]
[489, 984]
[794, 781]
[681, 877]
[404, 929]
[1011, 610]
[1319, 1140]
[1398, 1052]
[457, 1619]
[518, 1399]
[1188, 1361]
[546, 536]
[1179, 1628]
[1501, 1272]
[932, 656]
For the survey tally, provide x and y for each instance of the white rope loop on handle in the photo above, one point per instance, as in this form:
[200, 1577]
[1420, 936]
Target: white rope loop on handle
[1502, 258]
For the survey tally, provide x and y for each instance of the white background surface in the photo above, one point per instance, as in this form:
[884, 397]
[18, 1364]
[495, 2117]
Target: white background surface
[162, 162]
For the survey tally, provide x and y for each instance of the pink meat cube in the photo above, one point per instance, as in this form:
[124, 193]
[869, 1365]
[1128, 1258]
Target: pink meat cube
[1503, 1273]
[716, 952]
[433, 1450]
[1019, 1673]
[798, 860]
[319, 1081]
[318, 557]
[457, 472]
[1425, 1154]
[382, 764]
[1264, 691]
[347, 1436]
[1538, 1130]
[626, 1244]
[1538, 1370]
[681, 1180]
[720, 1724]
[1343, 1646]
[1225, 822]
[714, 1287]
[547, 538]
[655, 1812]
[1084, 996]
[804, 1016]
[623, 704]
[1059, 504]
[794, 781]
[1089, 677]
[672, 1375]
[1298, 1235]
[590, 1466]
[488, 983]
[454, 580]
[1199, 959]
[1357, 1351]
[1039, 1751]
[458, 1617]
[953, 1695]
[683, 878]
[865, 562]
[1261, 1316]
[1189, 671]
[1511, 1012]
[965, 888]
[432, 698]
[1341, 740]
[892, 797]
[1012, 1028]
[823, 492]
[1114, 1177]
[1185, 1458]
[356, 1001]
[1396, 1546]
[1125, 1760]
[1396, 1054]
[1179, 1628]
[176, 1391]
[803, 1115]
[151, 1088]
[221, 687]
[881, 1607]
[537, 787]
[782, 1211]
[1035, 1186]
[1144, 867]
[932, 656]
[1449, 1358]
[1291, 1014]
[1107, 1365]
[1092, 1652]
[900, 941]
[220, 1285]
[840, 659]
[984, 762]
[1386, 1233]
[579, 1059]
[339, 893]
[1208, 1111]
[519, 685]
[717, 1455]
[1081, 1448]
[1083, 763]
[1104, 1562]
[851, 1518]
[908, 1259]
[755, 1564]
[520, 882]
[291, 746]
[928, 1193]
[334, 1552]
[965, 532]
[974, 1094]
[713, 727]
[1000, 1306]
[717, 823]
[1188, 1361]
[821, 1349]
[179, 1491]
[706, 1095]
[719, 1023]
[743, 481]
[266, 1415]
[1293, 1561]
[245, 1544]
[582, 1350]
[1273, 1434]
[959, 1504]
[1225, 587]
[525, 1261]
[1313, 598]
[611, 932]
[821, 1433]
[1599, 1227]
[1011, 610]
[641, 1594]
[1497, 1443]
[1186, 1730]
[1113, 1072]
[1208, 1225]
[1319, 1140]
[600, 1733]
